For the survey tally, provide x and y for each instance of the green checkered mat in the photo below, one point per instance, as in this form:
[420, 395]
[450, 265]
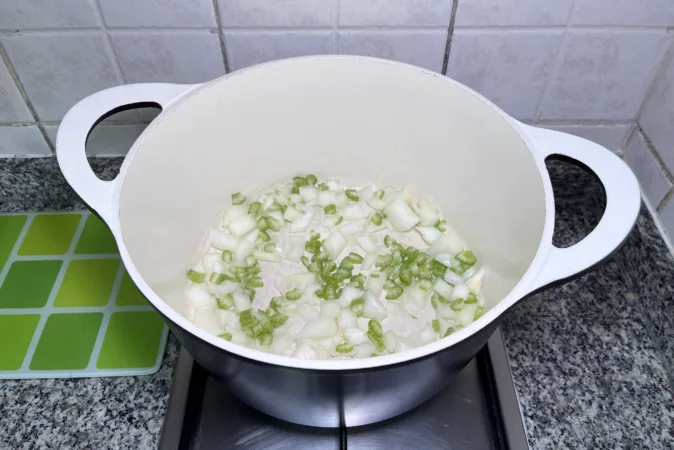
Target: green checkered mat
[67, 306]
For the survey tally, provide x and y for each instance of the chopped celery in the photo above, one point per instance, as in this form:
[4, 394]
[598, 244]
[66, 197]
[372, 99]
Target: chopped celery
[352, 194]
[355, 258]
[254, 208]
[300, 181]
[227, 256]
[425, 285]
[274, 224]
[226, 302]
[466, 257]
[330, 209]
[359, 280]
[225, 336]
[322, 187]
[293, 294]
[357, 306]
[472, 298]
[276, 302]
[375, 327]
[344, 348]
[388, 241]
[394, 293]
[311, 179]
[269, 248]
[266, 339]
[449, 331]
[262, 224]
[478, 312]
[264, 236]
[217, 278]
[457, 305]
[253, 283]
[383, 260]
[441, 225]
[376, 219]
[278, 320]
[247, 319]
[250, 260]
[438, 269]
[238, 199]
[379, 194]
[436, 325]
[195, 277]
[295, 190]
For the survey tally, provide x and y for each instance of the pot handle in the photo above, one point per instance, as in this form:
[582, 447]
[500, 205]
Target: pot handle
[623, 201]
[79, 121]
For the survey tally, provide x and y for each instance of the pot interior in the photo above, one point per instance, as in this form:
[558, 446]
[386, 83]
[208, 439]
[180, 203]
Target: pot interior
[346, 117]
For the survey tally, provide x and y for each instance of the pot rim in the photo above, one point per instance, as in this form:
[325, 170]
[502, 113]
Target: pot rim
[518, 291]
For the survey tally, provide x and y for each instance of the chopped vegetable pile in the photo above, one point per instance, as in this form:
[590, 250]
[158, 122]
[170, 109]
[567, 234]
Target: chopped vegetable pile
[312, 270]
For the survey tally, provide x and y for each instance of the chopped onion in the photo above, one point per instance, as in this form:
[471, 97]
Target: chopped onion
[429, 234]
[295, 252]
[446, 311]
[365, 350]
[282, 345]
[349, 229]
[299, 280]
[242, 225]
[467, 314]
[301, 223]
[401, 216]
[212, 262]
[241, 301]
[308, 193]
[366, 193]
[291, 213]
[198, 297]
[427, 213]
[347, 319]
[206, 319]
[222, 240]
[460, 291]
[334, 244]
[390, 341]
[233, 212]
[353, 212]
[342, 200]
[428, 334]
[367, 243]
[373, 308]
[453, 278]
[281, 200]
[305, 351]
[326, 198]
[355, 336]
[444, 258]
[239, 337]
[474, 283]
[309, 312]
[349, 293]
[368, 261]
[228, 319]
[376, 204]
[442, 288]
[449, 242]
[267, 256]
[319, 328]
[330, 308]
[222, 289]
[277, 215]
[376, 285]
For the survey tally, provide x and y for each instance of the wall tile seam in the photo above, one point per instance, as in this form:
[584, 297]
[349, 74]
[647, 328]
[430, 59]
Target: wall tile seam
[660, 162]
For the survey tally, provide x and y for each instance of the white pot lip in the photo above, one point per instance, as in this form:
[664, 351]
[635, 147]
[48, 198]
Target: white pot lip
[520, 289]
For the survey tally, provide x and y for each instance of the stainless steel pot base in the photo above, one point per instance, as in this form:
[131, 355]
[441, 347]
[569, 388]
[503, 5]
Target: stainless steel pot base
[479, 410]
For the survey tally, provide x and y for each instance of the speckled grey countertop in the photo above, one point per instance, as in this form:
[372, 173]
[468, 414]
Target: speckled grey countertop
[590, 359]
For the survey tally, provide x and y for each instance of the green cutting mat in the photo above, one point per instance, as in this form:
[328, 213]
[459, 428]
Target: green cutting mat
[67, 306]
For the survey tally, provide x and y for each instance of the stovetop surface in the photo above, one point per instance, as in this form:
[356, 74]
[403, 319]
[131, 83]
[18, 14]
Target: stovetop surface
[478, 410]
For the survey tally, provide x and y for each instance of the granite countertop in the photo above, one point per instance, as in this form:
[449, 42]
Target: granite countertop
[590, 359]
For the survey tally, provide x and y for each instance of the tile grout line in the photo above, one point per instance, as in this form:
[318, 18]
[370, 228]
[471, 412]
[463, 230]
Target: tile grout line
[556, 64]
[47, 309]
[14, 75]
[660, 68]
[654, 153]
[335, 28]
[450, 36]
[109, 310]
[221, 35]
[112, 52]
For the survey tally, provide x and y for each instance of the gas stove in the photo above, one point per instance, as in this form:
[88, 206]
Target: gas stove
[478, 410]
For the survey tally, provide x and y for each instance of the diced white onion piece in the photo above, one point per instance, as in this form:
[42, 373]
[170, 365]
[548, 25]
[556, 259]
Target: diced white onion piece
[267, 256]
[267, 202]
[376, 204]
[241, 301]
[449, 242]
[281, 200]
[212, 262]
[228, 319]
[329, 343]
[396, 310]
[207, 320]
[291, 213]
[330, 221]
[429, 234]
[334, 244]
[349, 293]
[334, 185]
[278, 215]
[353, 212]
[349, 229]
[460, 291]
[342, 200]
[239, 337]
[444, 258]
[233, 212]
[365, 350]
[372, 228]
[295, 198]
[416, 295]
[366, 193]
[442, 288]
[282, 344]
[453, 278]
[347, 319]
[376, 285]
[305, 351]
[299, 280]
[368, 261]
[403, 345]
[222, 289]
[280, 283]
[427, 213]
[390, 341]
[321, 352]
[428, 334]
[367, 243]
[326, 198]
[301, 223]
[467, 314]
[295, 253]
[319, 328]
[198, 297]
[309, 312]
[373, 308]
[446, 311]
[355, 336]
[401, 216]
[221, 240]
[474, 283]
[242, 225]
[308, 193]
[330, 308]
[244, 249]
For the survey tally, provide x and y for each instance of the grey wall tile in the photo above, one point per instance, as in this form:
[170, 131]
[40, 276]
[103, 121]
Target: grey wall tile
[18, 14]
[653, 182]
[510, 68]
[12, 106]
[667, 218]
[158, 13]
[512, 13]
[248, 48]
[610, 136]
[657, 116]
[22, 141]
[395, 12]
[420, 48]
[277, 13]
[168, 56]
[57, 70]
[603, 75]
[624, 12]
[107, 140]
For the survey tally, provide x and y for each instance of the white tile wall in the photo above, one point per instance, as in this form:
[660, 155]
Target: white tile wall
[22, 141]
[168, 56]
[512, 13]
[408, 13]
[657, 117]
[510, 68]
[610, 136]
[421, 48]
[277, 13]
[653, 181]
[20, 14]
[624, 12]
[12, 106]
[107, 140]
[59, 69]
[246, 48]
[603, 74]
[158, 13]
[667, 217]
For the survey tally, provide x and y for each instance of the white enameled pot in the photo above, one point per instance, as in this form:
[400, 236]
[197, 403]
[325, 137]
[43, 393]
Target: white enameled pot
[351, 118]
